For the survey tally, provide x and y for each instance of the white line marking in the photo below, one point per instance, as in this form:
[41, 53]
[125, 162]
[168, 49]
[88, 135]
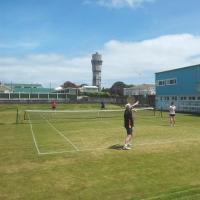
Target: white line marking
[171, 193]
[67, 139]
[106, 148]
[168, 142]
[71, 151]
[33, 135]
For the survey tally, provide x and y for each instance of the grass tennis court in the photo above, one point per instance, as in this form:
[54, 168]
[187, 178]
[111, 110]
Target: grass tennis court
[77, 156]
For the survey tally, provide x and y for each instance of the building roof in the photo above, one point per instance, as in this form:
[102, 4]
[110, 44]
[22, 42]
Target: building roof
[28, 88]
[23, 85]
[87, 86]
[179, 68]
[4, 88]
[34, 90]
[142, 86]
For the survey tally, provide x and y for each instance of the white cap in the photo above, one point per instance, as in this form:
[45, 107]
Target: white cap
[128, 106]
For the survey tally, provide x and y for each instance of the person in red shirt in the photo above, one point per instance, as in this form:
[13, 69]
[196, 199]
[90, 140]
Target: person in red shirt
[53, 105]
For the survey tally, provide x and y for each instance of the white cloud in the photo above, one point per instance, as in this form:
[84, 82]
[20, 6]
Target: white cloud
[138, 61]
[45, 68]
[119, 3]
[131, 62]
[24, 45]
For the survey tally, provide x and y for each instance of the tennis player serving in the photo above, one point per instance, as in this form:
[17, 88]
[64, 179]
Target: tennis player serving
[129, 123]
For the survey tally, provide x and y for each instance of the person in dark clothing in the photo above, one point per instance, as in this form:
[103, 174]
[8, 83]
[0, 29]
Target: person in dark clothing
[102, 105]
[129, 124]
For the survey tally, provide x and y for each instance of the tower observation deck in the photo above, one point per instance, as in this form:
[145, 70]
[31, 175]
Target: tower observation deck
[96, 69]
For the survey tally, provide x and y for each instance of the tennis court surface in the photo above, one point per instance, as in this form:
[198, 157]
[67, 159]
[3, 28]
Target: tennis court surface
[77, 155]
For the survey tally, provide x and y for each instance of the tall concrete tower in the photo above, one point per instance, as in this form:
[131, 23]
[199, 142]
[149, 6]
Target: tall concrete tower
[96, 69]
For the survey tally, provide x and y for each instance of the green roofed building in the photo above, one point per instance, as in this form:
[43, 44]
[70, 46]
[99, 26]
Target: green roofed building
[28, 88]
[19, 92]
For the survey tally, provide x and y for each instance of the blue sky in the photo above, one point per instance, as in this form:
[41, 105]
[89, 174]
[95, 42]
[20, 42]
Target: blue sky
[48, 41]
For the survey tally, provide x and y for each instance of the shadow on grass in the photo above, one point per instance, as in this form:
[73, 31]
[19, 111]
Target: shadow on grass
[116, 147]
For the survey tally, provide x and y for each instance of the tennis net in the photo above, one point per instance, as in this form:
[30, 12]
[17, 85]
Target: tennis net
[80, 114]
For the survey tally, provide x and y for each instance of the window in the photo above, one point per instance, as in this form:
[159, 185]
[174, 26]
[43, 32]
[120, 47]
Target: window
[192, 98]
[171, 81]
[183, 98]
[161, 82]
[174, 98]
[166, 98]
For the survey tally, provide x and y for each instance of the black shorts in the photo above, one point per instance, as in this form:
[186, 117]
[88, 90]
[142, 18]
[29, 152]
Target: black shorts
[129, 131]
[172, 115]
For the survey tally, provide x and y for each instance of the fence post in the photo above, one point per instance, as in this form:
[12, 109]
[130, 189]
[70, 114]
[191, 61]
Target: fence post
[17, 116]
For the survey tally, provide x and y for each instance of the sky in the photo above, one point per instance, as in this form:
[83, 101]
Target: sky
[50, 42]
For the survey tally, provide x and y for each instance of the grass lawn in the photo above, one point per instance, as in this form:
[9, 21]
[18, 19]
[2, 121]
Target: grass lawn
[76, 156]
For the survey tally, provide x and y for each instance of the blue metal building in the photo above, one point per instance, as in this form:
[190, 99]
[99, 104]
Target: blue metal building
[181, 86]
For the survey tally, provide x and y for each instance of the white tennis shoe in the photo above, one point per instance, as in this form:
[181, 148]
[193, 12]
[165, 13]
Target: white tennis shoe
[126, 148]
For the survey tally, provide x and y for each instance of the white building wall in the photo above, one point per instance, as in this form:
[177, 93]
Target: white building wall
[139, 90]
[183, 103]
[89, 89]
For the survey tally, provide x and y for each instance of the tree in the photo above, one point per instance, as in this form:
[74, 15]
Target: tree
[69, 84]
[105, 89]
[117, 88]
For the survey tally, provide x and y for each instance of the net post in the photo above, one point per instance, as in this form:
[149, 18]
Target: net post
[154, 111]
[17, 116]
[25, 114]
[161, 112]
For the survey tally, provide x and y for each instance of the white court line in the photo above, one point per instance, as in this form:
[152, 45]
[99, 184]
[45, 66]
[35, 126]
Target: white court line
[172, 193]
[168, 142]
[71, 151]
[33, 135]
[67, 139]
[134, 145]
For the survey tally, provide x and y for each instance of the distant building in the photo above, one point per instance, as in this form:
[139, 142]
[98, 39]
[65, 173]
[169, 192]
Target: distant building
[28, 88]
[181, 86]
[89, 89]
[4, 88]
[144, 89]
[96, 69]
[19, 92]
[68, 90]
